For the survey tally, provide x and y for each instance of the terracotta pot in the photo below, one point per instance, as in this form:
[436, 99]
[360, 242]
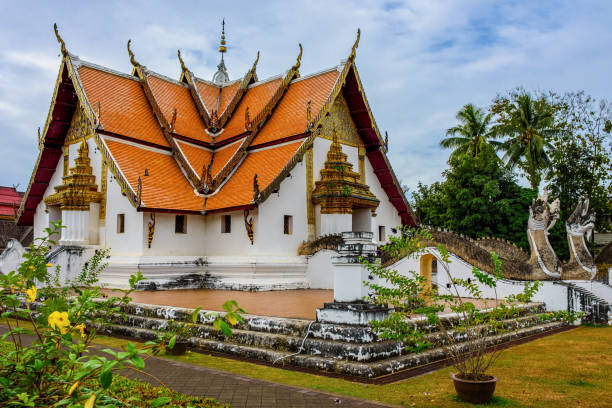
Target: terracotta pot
[180, 347]
[476, 392]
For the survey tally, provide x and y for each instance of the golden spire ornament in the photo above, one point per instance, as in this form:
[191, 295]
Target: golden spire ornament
[221, 76]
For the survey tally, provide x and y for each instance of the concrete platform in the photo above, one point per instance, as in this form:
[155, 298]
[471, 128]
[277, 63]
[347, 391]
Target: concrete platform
[297, 303]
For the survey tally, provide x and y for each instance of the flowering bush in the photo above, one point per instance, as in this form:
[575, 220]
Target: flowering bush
[51, 361]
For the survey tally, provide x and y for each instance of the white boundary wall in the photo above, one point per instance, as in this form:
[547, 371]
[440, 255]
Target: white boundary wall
[553, 295]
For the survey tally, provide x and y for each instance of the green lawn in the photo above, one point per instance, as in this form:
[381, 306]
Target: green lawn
[569, 369]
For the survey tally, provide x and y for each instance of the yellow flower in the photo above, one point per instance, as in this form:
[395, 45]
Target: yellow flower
[31, 294]
[90, 401]
[81, 328]
[31, 267]
[59, 320]
[49, 265]
[74, 387]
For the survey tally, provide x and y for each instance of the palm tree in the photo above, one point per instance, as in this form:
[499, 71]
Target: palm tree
[474, 130]
[528, 128]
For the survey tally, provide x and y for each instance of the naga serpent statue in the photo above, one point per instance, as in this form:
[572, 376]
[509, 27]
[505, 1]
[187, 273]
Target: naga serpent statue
[581, 264]
[542, 217]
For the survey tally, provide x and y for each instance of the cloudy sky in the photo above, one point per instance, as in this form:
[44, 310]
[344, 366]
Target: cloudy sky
[420, 61]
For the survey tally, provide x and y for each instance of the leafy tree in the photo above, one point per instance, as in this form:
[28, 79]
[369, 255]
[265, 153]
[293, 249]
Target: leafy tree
[528, 124]
[474, 131]
[478, 197]
[580, 160]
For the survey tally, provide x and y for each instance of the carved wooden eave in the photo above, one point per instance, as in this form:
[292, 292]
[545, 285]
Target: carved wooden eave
[248, 79]
[67, 95]
[188, 78]
[257, 124]
[349, 84]
[143, 75]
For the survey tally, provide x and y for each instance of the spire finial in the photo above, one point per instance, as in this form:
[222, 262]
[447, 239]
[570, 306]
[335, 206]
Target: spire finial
[132, 59]
[222, 47]
[183, 67]
[221, 76]
[60, 40]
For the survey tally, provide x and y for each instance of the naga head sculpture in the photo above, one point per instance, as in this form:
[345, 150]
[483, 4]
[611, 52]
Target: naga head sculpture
[542, 215]
[582, 220]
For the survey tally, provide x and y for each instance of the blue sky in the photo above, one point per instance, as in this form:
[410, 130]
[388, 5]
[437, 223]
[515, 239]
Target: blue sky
[420, 61]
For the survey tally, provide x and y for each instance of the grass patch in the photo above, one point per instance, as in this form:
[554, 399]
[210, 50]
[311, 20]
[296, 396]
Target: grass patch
[139, 394]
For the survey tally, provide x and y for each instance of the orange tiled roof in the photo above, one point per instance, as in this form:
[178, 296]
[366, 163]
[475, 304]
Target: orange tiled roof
[165, 187]
[198, 157]
[256, 98]
[124, 108]
[267, 163]
[209, 94]
[222, 156]
[169, 96]
[227, 94]
[289, 116]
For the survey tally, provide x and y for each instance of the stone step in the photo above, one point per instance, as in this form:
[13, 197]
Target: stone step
[297, 327]
[341, 366]
[334, 349]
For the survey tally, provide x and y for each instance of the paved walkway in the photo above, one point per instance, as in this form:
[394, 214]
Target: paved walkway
[236, 390]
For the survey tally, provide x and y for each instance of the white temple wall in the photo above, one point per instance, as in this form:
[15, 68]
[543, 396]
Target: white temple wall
[320, 272]
[130, 242]
[41, 217]
[554, 295]
[167, 242]
[290, 200]
[386, 213]
[236, 242]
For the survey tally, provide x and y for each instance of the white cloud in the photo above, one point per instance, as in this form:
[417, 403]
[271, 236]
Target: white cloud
[420, 61]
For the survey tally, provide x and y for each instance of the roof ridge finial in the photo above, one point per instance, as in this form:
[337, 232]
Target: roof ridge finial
[355, 45]
[132, 59]
[60, 40]
[221, 76]
[298, 62]
[222, 44]
[183, 67]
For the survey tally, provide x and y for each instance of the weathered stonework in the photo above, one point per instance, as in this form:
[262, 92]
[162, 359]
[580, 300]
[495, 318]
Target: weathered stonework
[344, 349]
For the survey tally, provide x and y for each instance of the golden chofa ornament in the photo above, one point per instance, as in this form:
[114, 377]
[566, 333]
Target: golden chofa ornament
[78, 189]
[340, 189]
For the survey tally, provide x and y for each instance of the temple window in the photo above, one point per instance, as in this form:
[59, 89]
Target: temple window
[288, 224]
[226, 224]
[120, 223]
[381, 233]
[180, 224]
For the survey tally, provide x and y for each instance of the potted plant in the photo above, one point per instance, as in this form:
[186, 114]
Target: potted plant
[465, 334]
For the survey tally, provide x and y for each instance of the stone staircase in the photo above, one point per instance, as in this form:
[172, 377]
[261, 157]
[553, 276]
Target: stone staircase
[597, 310]
[342, 349]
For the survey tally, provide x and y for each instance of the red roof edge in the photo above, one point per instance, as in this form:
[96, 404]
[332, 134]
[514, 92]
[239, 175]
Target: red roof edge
[360, 112]
[61, 112]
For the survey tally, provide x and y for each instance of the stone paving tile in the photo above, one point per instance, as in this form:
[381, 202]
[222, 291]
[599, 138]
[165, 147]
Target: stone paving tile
[238, 391]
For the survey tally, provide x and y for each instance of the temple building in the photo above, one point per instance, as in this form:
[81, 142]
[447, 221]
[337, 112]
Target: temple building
[215, 182]
[10, 199]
